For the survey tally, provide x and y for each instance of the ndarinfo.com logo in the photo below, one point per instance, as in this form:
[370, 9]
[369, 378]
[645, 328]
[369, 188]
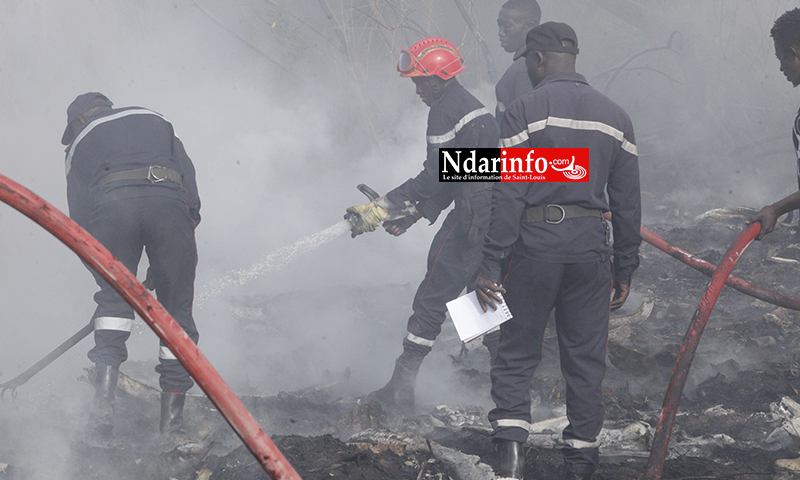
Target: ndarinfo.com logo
[514, 165]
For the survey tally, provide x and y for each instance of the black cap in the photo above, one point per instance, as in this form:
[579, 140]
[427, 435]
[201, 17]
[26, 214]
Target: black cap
[78, 107]
[548, 37]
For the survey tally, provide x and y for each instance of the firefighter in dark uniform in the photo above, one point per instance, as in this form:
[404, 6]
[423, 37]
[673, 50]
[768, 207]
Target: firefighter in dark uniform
[558, 244]
[132, 186]
[456, 119]
[515, 20]
[786, 37]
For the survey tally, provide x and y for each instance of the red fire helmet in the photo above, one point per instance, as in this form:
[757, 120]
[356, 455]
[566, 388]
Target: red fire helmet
[432, 56]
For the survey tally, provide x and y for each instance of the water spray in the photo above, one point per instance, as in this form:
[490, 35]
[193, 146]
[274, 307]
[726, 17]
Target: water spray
[272, 262]
[283, 255]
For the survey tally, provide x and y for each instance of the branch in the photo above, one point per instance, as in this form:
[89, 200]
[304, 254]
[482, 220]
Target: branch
[619, 69]
[481, 41]
[244, 40]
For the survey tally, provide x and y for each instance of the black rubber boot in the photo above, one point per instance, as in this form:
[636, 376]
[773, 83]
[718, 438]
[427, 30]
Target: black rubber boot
[512, 459]
[578, 476]
[101, 420]
[172, 413]
[581, 463]
[398, 394]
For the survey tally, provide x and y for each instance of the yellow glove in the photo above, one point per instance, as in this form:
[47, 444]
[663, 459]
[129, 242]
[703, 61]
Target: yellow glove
[368, 217]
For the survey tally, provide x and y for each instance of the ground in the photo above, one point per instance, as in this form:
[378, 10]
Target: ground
[736, 417]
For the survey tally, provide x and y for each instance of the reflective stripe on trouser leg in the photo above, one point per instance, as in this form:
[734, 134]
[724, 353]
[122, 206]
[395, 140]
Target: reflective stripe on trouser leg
[419, 340]
[164, 353]
[416, 346]
[113, 323]
[510, 429]
[581, 444]
[510, 422]
[110, 335]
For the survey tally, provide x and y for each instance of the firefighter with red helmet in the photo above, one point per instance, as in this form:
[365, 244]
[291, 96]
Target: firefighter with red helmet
[456, 119]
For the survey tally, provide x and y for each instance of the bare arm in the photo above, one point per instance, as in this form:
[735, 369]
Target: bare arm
[768, 216]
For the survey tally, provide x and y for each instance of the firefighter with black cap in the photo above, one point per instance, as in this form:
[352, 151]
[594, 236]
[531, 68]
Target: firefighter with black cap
[132, 186]
[456, 119]
[557, 240]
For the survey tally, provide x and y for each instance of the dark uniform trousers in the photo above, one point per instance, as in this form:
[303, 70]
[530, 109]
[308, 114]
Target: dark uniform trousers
[453, 261]
[580, 294]
[163, 227]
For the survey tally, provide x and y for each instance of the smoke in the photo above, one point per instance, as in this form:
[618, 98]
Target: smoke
[285, 107]
[711, 110]
[272, 262]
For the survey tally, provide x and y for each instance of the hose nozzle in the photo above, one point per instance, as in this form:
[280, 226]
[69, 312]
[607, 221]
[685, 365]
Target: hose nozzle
[371, 194]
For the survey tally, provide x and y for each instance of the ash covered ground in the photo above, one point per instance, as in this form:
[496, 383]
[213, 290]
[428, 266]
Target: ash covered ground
[738, 415]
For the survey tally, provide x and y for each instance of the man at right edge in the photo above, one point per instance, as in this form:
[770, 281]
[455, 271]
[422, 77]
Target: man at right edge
[785, 34]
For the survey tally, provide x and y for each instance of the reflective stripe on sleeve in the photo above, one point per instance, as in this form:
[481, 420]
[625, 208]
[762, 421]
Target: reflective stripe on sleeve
[113, 323]
[446, 137]
[523, 135]
[511, 422]
[571, 124]
[165, 353]
[596, 126]
[581, 444]
[99, 121]
[419, 340]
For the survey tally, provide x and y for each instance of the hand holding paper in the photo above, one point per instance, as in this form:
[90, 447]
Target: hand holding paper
[488, 292]
[473, 320]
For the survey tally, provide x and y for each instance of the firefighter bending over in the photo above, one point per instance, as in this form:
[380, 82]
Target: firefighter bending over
[132, 186]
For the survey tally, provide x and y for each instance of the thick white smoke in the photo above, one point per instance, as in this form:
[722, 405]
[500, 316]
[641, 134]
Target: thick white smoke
[279, 150]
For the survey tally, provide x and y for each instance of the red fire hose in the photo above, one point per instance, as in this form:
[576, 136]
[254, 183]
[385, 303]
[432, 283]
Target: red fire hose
[708, 269]
[658, 453]
[123, 281]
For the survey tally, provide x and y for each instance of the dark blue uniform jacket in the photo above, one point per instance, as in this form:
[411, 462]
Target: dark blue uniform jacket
[122, 139]
[457, 119]
[563, 111]
[512, 85]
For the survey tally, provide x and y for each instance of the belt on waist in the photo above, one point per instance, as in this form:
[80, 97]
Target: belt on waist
[554, 214]
[154, 173]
